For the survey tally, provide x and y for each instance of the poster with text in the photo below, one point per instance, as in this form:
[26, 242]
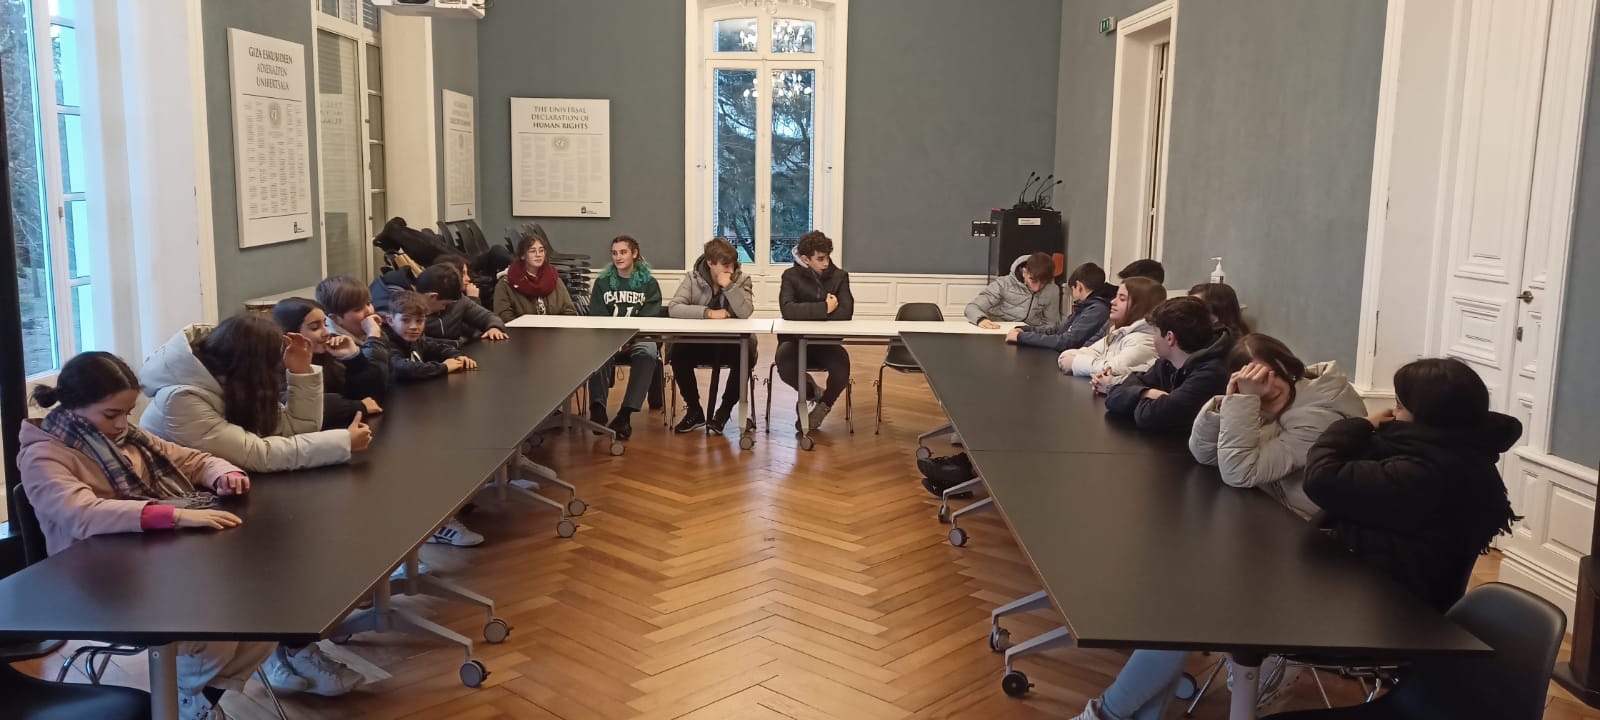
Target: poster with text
[460, 158]
[271, 138]
[560, 157]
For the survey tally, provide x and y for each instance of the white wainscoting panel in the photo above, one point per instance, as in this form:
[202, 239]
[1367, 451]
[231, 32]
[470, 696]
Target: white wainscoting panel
[1556, 498]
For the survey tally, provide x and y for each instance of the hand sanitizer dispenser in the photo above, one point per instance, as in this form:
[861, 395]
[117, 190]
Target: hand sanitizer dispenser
[1217, 275]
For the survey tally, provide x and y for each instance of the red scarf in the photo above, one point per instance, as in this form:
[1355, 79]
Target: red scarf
[536, 285]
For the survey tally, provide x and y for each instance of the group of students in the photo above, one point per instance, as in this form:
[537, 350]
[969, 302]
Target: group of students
[1414, 491]
[291, 390]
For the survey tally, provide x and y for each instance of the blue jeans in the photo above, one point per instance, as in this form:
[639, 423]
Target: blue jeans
[642, 370]
[1145, 686]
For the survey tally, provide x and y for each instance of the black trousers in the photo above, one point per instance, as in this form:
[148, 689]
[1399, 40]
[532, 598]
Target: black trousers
[688, 356]
[830, 358]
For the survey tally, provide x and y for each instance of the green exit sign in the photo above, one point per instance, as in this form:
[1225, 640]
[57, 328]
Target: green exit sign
[1107, 25]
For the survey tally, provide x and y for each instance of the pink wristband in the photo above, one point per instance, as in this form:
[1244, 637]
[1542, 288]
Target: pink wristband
[155, 516]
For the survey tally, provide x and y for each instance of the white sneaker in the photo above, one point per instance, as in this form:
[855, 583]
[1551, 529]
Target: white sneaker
[454, 533]
[955, 439]
[197, 707]
[1273, 680]
[281, 677]
[525, 484]
[400, 572]
[327, 677]
[1091, 712]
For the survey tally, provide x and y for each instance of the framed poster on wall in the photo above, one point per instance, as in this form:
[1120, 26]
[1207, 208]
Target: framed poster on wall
[271, 138]
[460, 158]
[560, 157]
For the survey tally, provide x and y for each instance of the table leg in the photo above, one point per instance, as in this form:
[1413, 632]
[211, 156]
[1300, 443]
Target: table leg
[1246, 679]
[803, 383]
[163, 660]
[746, 438]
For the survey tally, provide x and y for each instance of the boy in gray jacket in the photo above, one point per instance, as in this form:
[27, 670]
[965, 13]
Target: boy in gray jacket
[1025, 296]
[715, 290]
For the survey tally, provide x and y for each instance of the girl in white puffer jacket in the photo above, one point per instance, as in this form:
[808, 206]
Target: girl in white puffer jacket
[1129, 346]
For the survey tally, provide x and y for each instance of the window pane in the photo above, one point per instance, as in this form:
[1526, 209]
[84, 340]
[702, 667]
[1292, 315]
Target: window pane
[342, 9]
[375, 116]
[26, 165]
[793, 122]
[376, 167]
[379, 208]
[369, 15]
[374, 68]
[733, 179]
[339, 141]
[79, 260]
[736, 35]
[83, 316]
[74, 178]
[64, 50]
[794, 36]
[64, 9]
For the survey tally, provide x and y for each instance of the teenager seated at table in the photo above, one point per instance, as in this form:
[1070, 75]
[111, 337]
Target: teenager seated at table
[1145, 268]
[1223, 303]
[1275, 407]
[1091, 311]
[88, 471]
[1414, 491]
[350, 310]
[1129, 343]
[716, 289]
[455, 317]
[815, 289]
[625, 289]
[354, 377]
[532, 286]
[1191, 369]
[469, 289]
[219, 389]
[1024, 295]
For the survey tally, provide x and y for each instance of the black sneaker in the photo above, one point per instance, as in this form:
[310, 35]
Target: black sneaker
[954, 464]
[692, 420]
[936, 489]
[719, 422]
[622, 426]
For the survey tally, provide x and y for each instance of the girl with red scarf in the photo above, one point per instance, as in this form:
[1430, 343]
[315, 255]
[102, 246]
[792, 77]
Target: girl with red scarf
[532, 286]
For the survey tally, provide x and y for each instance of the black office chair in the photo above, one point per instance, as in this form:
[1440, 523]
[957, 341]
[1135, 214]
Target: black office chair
[30, 698]
[899, 358]
[1525, 632]
[465, 235]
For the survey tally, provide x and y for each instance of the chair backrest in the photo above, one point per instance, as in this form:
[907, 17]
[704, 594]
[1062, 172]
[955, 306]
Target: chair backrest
[1525, 632]
[33, 545]
[919, 312]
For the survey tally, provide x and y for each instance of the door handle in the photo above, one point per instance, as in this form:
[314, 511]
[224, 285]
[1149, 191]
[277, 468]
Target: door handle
[1526, 296]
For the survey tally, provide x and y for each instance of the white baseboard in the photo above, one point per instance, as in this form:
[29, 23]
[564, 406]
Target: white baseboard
[878, 295]
[1556, 498]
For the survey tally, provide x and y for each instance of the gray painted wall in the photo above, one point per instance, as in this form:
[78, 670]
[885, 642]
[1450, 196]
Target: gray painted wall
[627, 51]
[455, 68]
[951, 103]
[1270, 161]
[1575, 425]
[244, 274]
[1083, 121]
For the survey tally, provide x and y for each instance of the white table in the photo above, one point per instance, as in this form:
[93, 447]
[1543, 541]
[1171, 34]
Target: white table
[678, 330]
[862, 332]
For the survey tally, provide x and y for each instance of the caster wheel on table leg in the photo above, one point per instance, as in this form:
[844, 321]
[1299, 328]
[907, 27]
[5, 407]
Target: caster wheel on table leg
[496, 631]
[944, 514]
[747, 441]
[566, 528]
[806, 443]
[576, 507]
[958, 537]
[923, 453]
[1015, 684]
[473, 673]
[1187, 688]
[617, 448]
[340, 639]
[999, 639]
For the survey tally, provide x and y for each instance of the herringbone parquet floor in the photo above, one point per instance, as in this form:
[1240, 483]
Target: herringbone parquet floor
[706, 584]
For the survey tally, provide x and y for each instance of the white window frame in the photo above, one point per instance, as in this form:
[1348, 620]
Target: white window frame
[832, 43]
[50, 112]
[363, 37]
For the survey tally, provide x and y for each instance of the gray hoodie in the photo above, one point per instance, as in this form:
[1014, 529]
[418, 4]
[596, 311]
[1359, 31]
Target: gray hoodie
[186, 407]
[696, 294]
[1008, 299]
[1253, 451]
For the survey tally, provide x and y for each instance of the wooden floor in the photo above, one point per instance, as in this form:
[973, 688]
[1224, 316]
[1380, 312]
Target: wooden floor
[711, 584]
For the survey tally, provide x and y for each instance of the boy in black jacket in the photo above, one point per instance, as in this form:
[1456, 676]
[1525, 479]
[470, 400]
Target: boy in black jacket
[1191, 370]
[454, 316]
[413, 355]
[1416, 490]
[815, 289]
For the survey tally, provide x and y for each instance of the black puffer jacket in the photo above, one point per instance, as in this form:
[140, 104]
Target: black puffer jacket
[1420, 502]
[1188, 388]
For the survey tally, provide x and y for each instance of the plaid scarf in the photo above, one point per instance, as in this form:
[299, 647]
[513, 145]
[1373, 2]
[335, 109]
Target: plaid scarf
[166, 484]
